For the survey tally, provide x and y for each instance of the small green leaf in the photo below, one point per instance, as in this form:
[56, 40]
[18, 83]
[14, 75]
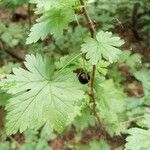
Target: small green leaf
[46, 5]
[139, 139]
[144, 77]
[3, 98]
[102, 67]
[52, 22]
[99, 145]
[82, 147]
[84, 120]
[104, 45]
[2, 28]
[131, 60]
[146, 120]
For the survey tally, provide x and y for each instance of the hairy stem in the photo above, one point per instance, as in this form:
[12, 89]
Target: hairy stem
[92, 32]
[88, 19]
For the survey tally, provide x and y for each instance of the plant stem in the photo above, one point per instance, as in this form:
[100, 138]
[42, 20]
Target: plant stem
[132, 120]
[11, 53]
[92, 32]
[88, 19]
[29, 14]
[13, 140]
[92, 80]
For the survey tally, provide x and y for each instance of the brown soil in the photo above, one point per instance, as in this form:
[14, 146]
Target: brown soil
[131, 43]
[58, 144]
[19, 138]
[1, 118]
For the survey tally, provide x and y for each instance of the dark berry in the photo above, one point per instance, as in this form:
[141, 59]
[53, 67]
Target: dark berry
[83, 78]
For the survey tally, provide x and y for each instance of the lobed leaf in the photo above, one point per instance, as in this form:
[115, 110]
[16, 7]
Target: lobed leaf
[105, 45]
[52, 22]
[144, 77]
[41, 96]
[138, 139]
[99, 145]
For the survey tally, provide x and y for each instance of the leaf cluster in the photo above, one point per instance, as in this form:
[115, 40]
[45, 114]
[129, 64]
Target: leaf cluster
[56, 16]
[12, 35]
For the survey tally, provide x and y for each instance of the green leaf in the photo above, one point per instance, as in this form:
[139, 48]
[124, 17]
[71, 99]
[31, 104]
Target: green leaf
[41, 96]
[139, 139]
[5, 146]
[6, 69]
[13, 35]
[113, 98]
[52, 22]
[3, 98]
[47, 133]
[102, 67]
[146, 120]
[134, 60]
[82, 147]
[57, 14]
[125, 55]
[110, 103]
[42, 144]
[28, 146]
[45, 5]
[35, 142]
[144, 77]
[68, 61]
[131, 60]
[99, 145]
[14, 3]
[84, 120]
[2, 28]
[104, 45]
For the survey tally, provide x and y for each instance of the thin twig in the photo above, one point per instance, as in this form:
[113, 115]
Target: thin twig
[132, 120]
[92, 80]
[14, 55]
[29, 15]
[57, 46]
[13, 140]
[11, 53]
